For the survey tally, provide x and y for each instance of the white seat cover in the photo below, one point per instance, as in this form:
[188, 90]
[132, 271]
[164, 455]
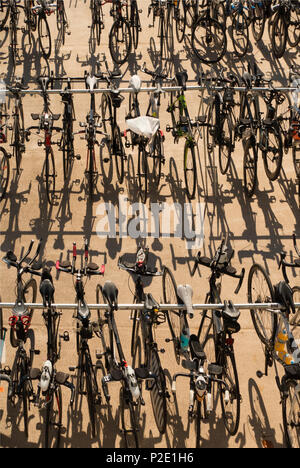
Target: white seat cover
[185, 292]
[143, 126]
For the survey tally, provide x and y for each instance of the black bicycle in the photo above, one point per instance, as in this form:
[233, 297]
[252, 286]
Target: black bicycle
[49, 394]
[118, 369]
[86, 370]
[120, 38]
[144, 349]
[4, 156]
[216, 330]
[20, 322]
[43, 10]
[97, 24]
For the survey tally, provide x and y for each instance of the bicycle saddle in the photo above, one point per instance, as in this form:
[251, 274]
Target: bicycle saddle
[292, 372]
[185, 293]
[44, 81]
[247, 79]
[150, 302]
[110, 292]
[91, 82]
[47, 288]
[196, 348]
[182, 78]
[230, 311]
[284, 295]
[135, 83]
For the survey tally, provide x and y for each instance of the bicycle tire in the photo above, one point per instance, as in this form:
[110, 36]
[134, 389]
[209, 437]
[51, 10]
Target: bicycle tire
[119, 153]
[29, 297]
[53, 422]
[290, 414]
[156, 158]
[173, 317]
[272, 154]
[135, 24]
[158, 392]
[296, 160]
[190, 169]
[240, 33]
[143, 174]
[260, 290]
[4, 172]
[128, 420]
[121, 27]
[231, 418]
[250, 166]
[107, 115]
[44, 37]
[180, 17]
[91, 391]
[295, 319]
[104, 330]
[209, 41]
[226, 143]
[50, 176]
[279, 30]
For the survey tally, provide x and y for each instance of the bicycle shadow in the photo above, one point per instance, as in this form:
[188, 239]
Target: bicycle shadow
[258, 420]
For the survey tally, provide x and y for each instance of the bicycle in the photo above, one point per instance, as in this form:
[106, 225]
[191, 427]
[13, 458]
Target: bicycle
[4, 156]
[240, 27]
[42, 10]
[280, 25]
[97, 24]
[46, 124]
[49, 395]
[163, 10]
[18, 127]
[280, 345]
[202, 374]
[85, 329]
[182, 127]
[133, 16]
[215, 333]
[61, 20]
[110, 103]
[20, 322]
[13, 11]
[120, 38]
[144, 349]
[118, 369]
[209, 41]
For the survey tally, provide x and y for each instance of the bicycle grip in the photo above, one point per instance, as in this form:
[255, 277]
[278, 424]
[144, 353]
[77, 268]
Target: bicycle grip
[240, 282]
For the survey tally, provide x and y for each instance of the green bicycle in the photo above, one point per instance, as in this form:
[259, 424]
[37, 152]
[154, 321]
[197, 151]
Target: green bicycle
[182, 127]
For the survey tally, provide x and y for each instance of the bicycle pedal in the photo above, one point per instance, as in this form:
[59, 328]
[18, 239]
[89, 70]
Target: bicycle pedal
[37, 352]
[72, 368]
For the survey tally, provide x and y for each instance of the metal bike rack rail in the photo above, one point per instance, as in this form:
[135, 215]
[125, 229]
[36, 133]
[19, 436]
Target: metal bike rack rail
[272, 305]
[163, 89]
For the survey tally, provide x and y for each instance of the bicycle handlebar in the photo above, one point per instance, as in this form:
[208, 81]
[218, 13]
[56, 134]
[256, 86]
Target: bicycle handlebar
[283, 263]
[138, 271]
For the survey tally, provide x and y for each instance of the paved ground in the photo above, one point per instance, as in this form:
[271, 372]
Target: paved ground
[258, 230]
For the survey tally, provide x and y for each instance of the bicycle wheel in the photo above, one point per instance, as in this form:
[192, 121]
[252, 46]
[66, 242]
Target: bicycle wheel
[258, 20]
[44, 37]
[128, 419]
[158, 392]
[135, 24]
[4, 172]
[120, 41]
[272, 151]
[279, 35]
[29, 297]
[50, 176]
[173, 316]
[293, 35]
[240, 33]
[143, 173]
[231, 409]
[296, 159]
[291, 414]
[226, 143]
[295, 319]
[180, 18]
[119, 153]
[260, 290]
[212, 128]
[190, 168]
[107, 116]
[104, 330]
[155, 159]
[208, 40]
[91, 391]
[250, 166]
[67, 148]
[53, 421]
